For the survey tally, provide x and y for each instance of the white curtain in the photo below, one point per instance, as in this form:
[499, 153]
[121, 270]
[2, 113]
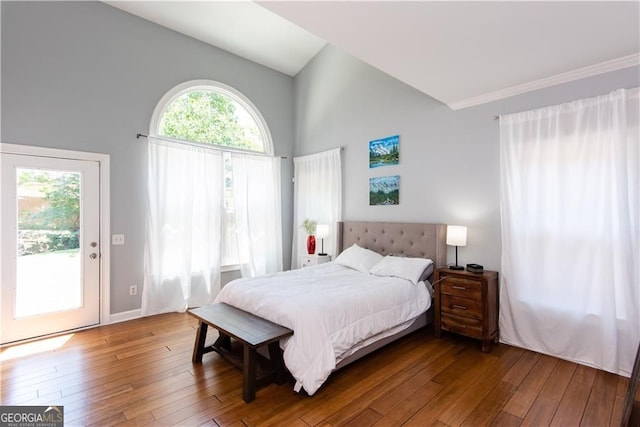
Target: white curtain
[256, 198]
[570, 201]
[183, 227]
[317, 196]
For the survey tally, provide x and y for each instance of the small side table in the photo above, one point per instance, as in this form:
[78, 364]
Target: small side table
[309, 260]
[467, 304]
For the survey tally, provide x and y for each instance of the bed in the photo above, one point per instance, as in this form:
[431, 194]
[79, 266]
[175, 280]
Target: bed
[338, 310]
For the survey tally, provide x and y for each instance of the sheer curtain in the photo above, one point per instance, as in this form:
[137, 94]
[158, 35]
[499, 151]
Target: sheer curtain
[570, 201]
[183, 227]
[256, 198]
[317, 196]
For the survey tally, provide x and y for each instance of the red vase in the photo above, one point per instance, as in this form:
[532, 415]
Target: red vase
[311, 245]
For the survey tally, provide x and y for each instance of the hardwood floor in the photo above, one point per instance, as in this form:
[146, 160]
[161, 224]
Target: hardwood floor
[140, 373]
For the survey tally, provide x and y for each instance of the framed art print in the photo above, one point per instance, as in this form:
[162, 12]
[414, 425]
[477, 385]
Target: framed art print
[384, 152]
[384, 190]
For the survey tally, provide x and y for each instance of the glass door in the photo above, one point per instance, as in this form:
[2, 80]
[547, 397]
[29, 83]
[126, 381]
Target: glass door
[50, 262]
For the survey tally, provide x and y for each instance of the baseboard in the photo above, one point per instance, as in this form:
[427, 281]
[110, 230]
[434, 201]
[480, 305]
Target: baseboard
[125, 315]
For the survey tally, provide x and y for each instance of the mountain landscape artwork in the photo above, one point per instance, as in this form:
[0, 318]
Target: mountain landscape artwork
[384, 190]
[384, 152]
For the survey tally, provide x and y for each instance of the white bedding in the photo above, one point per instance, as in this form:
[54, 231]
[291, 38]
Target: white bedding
[331, 308]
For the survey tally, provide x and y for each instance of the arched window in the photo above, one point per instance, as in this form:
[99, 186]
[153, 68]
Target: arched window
[209, 112]
[205, 112]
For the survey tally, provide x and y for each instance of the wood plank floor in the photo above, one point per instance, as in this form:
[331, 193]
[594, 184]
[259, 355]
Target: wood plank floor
[140, 373]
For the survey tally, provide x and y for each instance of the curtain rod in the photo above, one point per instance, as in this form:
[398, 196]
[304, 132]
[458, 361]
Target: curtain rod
[213, 147]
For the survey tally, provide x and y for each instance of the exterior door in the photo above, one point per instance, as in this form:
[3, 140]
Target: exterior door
[50, 260]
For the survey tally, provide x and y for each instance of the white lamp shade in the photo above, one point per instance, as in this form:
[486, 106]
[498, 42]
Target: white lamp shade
[322, 231]
[456, 235]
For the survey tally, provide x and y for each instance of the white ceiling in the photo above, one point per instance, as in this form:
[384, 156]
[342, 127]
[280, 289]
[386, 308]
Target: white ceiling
[460, 53]
[240, 27]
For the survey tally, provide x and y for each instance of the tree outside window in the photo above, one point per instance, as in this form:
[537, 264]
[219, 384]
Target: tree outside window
[209, 116]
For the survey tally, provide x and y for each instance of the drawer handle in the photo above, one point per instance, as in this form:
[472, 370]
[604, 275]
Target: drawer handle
[461, 307]
[460, 288]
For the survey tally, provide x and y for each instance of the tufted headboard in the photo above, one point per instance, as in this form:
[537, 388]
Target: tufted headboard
[411, 239]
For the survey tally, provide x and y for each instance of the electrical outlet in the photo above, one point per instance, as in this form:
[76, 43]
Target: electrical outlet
[117, 239]
[133, 290]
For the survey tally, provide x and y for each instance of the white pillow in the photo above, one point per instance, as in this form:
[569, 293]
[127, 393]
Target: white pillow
[427, 271]
[358, 258]
[405, 268]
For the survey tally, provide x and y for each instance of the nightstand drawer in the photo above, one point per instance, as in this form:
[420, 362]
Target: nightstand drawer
[467, 303]
[309, 260]
[462, 325]
[462, 287]
[462, 306]
[306, 261]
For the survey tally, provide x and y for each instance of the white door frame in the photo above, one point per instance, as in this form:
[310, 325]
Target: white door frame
[105, 226]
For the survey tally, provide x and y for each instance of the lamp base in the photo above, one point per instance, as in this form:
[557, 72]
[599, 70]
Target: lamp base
[456, 267]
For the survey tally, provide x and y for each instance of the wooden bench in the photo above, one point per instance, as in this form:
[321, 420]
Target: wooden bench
[252, 331]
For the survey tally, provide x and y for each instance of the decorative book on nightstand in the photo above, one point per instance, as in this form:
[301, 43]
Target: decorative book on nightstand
[308, 260]
[467, 304]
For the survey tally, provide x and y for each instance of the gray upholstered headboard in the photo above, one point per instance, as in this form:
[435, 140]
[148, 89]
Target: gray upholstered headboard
[411, 239]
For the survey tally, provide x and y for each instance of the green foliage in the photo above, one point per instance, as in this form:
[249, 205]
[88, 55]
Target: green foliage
[52, 223]
[43, 241]
[212, 118]
[61, 191]
[310, 226]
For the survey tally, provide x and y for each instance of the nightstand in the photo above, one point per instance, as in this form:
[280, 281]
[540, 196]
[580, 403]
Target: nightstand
[467, 304]
[309, 260]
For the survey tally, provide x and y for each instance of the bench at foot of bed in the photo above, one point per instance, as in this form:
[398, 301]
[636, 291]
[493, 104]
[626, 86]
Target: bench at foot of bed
[251, 331]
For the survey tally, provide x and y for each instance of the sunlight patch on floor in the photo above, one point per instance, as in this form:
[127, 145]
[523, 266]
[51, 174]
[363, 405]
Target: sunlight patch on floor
[35, 347]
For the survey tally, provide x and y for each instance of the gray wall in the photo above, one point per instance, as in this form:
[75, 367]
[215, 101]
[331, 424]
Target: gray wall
[85, 76]
[449, 160]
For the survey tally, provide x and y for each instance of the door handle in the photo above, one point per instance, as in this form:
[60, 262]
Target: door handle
[92, 256]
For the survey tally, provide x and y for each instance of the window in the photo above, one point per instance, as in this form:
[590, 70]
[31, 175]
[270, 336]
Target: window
[570, 205]
[209, 112]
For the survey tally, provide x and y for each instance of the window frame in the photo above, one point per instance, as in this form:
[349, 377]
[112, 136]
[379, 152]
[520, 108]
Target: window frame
[223, 89]
[229, 92]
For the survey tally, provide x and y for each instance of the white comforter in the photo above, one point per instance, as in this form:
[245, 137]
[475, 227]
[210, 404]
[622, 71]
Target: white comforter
[330, 308]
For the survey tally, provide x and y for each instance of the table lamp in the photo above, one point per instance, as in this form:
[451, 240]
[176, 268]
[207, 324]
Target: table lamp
[322, 231]
[456, 236]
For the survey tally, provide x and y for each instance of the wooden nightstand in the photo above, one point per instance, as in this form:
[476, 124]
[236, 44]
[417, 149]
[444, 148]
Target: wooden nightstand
[467, 304]
[309, 260]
